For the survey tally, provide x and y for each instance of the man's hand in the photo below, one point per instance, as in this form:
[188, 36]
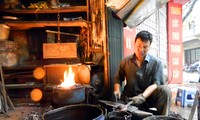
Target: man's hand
[117, 94]
[137, 100]
[117, 91]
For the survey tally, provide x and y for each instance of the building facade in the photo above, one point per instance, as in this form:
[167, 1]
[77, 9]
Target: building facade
[191, 35]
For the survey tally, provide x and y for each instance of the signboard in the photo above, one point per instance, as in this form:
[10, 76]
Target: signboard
[175, 44]
[175, 56]
[129, 38]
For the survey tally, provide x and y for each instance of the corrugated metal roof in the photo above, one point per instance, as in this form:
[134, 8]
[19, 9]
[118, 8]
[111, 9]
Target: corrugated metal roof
[134, 12]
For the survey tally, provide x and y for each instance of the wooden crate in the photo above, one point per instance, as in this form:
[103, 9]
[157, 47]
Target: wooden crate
[59, 50]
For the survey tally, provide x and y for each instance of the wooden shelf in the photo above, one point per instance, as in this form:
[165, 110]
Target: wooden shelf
[50, 10]
[24, 25]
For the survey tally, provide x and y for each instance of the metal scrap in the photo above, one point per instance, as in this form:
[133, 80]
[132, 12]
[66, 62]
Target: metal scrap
[34, 115]
[39, 5]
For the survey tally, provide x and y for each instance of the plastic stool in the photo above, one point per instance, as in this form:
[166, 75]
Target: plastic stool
[185, 96]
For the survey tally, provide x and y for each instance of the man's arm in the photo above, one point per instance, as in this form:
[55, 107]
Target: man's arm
[119, 78]
[149, 90]
[141, 98]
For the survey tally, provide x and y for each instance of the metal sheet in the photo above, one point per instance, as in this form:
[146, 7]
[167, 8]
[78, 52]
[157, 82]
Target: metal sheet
[115, 34]
[116, 105]
[55, 73]
[142, 11]
[116, 5]
[135, 11]
[126, 9]
[111, 103]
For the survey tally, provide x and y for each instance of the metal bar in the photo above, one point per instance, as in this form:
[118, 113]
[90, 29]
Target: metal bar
[194, 106]
[4, 113]
[20, 73]
[50, 31]
[198, 110]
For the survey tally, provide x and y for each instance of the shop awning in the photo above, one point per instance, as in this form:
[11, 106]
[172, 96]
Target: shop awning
[134, 12]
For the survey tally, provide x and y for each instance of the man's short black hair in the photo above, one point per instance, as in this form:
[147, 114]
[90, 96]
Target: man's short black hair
[145, 36]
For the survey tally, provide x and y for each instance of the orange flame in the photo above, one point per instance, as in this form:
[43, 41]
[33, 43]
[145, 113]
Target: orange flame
[69, 80]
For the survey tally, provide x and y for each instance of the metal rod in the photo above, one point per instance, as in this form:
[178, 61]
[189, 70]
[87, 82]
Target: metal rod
[58, 27]
[195, 103]
[4, 113]
[50, 31]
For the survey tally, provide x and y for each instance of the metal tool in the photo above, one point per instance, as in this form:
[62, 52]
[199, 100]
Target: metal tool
[124, 107]
[111, 103]
[116, 105]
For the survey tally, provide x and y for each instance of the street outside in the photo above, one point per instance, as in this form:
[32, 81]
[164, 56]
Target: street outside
[190, 77]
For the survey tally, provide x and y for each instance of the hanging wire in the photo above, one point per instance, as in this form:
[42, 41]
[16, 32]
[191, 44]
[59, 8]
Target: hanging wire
[58, 25]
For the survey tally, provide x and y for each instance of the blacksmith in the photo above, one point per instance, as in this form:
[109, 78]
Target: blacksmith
[143, 73]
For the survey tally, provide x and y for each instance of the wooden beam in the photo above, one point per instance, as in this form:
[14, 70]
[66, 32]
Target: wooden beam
[25, 25]
[54, 10]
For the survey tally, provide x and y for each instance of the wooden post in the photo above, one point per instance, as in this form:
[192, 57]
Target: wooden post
[3, 91]
[7, 103]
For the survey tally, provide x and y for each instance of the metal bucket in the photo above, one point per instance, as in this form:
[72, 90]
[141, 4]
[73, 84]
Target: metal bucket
[62, 96]
[119, 115]
[75, 112]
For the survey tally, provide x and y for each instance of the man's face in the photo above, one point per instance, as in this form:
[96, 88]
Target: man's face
[141, 48]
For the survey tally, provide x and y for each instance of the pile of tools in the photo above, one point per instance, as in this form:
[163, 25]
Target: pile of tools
[5, 102]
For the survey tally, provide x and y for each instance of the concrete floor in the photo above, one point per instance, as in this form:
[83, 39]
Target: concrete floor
[190, 80]
[183, 112]
[21, 113]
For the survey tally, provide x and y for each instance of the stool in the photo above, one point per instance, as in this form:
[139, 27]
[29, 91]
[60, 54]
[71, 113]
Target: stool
[185, 96]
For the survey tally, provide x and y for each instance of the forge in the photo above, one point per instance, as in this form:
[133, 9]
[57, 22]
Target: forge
[67, 84]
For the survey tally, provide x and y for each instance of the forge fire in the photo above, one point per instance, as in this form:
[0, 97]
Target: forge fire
[69, 80]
